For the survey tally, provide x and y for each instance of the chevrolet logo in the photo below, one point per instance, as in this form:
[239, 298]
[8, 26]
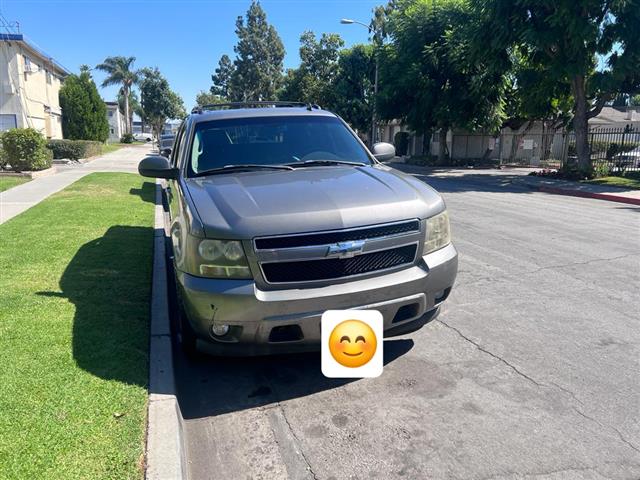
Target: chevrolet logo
[345, 249]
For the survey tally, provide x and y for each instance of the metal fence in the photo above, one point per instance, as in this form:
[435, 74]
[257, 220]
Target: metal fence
[613, 150]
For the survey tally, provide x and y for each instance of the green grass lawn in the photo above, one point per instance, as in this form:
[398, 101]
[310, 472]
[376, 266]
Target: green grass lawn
[112, 147]
[9, 182]
[630, 181]
[74, 313]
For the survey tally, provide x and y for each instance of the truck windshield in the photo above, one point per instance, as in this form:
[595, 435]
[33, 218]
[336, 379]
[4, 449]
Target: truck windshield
[278, 140]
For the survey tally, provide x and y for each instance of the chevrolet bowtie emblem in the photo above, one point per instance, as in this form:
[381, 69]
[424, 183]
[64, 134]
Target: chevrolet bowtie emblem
[345, 249]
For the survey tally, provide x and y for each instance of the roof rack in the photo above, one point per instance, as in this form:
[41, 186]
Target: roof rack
[233, 105]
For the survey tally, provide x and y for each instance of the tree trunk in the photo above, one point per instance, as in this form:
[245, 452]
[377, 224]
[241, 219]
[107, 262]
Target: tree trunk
[125, 91]
[581, 123]
[442, 145]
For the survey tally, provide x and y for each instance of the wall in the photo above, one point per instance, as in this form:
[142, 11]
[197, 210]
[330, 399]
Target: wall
[30, 97]
[116, 123]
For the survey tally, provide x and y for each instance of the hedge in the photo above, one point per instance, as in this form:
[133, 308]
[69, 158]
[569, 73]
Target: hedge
[25, 149]
[3, 157]
[74, 149]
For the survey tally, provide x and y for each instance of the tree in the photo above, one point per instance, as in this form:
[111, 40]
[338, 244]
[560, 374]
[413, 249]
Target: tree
[222, 77]
[590, 46]
[119, 72]
[635, 100]
[205, 98]
[84, 113]
[312, 81]
[259, 56]
[353, 86]
[134, 104]
[428, 78]
[159, 102]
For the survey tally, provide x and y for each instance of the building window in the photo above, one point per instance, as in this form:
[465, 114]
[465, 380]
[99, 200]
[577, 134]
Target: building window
[49, 77]
[112, 131]
[7, 121]
[111, 113]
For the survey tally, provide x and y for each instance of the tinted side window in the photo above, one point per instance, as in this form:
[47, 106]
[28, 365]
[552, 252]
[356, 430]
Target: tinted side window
[175, 154]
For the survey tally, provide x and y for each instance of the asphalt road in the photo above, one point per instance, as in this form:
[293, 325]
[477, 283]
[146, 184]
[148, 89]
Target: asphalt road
[531, 371]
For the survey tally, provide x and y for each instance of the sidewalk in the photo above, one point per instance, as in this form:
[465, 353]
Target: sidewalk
[18, 199]
[520, 177]
[586, 190]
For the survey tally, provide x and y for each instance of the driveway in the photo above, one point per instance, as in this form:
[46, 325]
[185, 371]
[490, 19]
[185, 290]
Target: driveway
[532, 370]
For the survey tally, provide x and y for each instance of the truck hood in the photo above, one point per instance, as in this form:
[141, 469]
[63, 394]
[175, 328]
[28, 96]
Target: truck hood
[245, 205]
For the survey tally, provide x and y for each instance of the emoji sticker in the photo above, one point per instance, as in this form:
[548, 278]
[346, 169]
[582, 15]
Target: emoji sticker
[352, 343]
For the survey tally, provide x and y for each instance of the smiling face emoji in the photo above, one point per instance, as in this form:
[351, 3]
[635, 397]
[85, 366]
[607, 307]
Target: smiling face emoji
[352, 343]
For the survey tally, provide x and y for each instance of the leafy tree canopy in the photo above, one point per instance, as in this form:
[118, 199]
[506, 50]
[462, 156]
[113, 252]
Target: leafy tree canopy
[159, 102]
[312, 81]
[204, 98]
[428, 77]
[591, 47]
[256, 72]
[222, 77]
[84, 113]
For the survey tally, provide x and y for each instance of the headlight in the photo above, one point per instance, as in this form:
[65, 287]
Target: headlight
[222, 259]
[438, 233]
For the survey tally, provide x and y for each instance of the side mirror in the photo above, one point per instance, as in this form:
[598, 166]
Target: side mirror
[383, 151]
[156, 166]
[165, 152]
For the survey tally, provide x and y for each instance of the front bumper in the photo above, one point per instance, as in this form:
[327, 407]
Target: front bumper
[405, 298]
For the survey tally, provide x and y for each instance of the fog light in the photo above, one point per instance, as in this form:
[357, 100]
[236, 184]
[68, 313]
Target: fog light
[219, 329]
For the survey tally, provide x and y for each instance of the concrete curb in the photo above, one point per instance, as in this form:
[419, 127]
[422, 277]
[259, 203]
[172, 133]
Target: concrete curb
[165, 453]
[611, 197]
[30, 174]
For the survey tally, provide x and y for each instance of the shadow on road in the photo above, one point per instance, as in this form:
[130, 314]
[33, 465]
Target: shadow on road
[452, 180]
[213, 386]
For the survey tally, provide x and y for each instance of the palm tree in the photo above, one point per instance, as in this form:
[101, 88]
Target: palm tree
[119, 72]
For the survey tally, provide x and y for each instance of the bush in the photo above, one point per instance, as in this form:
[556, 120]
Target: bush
[26, 149]
[401, 142]
[74, 149]
[127, 138]
[3, 157]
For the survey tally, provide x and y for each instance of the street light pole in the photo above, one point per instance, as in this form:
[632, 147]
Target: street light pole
[348, 21]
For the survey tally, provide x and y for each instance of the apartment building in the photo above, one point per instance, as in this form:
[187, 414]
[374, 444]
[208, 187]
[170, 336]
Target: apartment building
[30, 82]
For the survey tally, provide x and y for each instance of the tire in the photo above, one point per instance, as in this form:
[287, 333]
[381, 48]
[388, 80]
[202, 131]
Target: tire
[188, 338]
[181, 327]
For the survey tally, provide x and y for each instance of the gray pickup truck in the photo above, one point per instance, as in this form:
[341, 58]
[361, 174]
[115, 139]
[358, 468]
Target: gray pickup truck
[279, 212]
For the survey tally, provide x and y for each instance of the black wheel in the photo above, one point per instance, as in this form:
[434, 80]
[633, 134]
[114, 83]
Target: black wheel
[180, 325]
[188, 338]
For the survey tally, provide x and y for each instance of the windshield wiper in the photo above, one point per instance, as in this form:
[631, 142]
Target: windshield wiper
[247, 167]
[311, 163]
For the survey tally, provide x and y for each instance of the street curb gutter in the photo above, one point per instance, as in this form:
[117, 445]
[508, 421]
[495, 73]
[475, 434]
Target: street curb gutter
[581, 193]
[165, 453]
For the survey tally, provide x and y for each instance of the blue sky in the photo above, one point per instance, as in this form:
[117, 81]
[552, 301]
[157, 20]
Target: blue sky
[183, 38]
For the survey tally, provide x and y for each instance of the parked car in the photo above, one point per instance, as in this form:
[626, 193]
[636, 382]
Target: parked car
[278, 214]
[165, 144]
[629, 159]
[143, 137]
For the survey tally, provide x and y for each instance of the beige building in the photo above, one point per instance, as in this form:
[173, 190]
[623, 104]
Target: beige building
[29, 85]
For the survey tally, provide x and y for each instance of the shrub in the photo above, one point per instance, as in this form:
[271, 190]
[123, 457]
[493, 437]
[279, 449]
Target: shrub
[401, 142]
[74, 149]
[127, 138]
[26, 149]
[84, 114]
[3, 157]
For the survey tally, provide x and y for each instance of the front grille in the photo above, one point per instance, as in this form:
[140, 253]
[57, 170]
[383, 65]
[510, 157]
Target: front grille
[337, 236]
[311, 270]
